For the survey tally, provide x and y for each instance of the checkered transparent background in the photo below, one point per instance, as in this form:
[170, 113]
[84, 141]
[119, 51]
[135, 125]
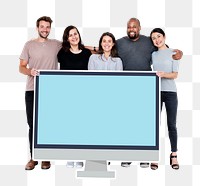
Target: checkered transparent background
[179, 19]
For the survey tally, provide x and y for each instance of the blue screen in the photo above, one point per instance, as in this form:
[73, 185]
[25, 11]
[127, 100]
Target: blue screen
[96, 109]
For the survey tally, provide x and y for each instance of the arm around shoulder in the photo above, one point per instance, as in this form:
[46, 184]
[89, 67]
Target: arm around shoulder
[93, 49]
[178, 54]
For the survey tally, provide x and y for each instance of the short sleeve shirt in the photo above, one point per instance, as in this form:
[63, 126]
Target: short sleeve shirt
[41, 56]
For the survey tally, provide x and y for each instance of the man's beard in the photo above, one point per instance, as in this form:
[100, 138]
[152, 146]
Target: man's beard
[43, 37]
[133, 37]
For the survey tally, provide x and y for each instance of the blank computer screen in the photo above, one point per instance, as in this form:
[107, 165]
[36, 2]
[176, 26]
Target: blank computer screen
[96, 109]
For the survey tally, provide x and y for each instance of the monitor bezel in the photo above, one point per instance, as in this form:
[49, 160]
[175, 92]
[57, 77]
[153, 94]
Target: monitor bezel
[100, 152]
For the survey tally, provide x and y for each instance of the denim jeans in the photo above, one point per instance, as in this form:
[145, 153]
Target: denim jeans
[171, 104]
[29, 100]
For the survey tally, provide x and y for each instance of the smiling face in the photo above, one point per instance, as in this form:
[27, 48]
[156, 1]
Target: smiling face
[44, 29]
[73, 37]
[107, 43]
[158, 40]
[133, 29]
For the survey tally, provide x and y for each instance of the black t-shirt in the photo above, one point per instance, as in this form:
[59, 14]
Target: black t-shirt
[71, 61]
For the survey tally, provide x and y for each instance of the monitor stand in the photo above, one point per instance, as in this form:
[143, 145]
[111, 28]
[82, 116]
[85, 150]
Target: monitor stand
[96, 169]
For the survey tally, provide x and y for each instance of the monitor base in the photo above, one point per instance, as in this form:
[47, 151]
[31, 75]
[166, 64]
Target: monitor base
[96, 169]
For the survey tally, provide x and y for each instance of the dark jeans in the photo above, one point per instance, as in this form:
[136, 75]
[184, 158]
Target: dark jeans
[29, 99]
[171, 103]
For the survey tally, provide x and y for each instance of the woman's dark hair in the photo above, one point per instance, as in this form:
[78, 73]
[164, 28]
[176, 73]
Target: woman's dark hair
[158, 30]
[65, 44]
[113, 52]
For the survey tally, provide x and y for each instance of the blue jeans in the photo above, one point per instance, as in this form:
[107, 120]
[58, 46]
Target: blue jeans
[171, 103]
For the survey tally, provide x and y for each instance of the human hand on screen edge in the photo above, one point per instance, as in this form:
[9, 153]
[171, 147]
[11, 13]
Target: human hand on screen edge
[34, 72]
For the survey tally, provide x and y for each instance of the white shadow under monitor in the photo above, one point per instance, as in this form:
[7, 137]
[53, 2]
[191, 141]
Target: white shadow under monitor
[98, 116]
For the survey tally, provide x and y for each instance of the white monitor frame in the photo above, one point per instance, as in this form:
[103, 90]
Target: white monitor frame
[55, 151]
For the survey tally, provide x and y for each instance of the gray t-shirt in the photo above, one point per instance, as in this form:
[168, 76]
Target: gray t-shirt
[99, 62]
[41, 56]
[136, 55]
[163, 61]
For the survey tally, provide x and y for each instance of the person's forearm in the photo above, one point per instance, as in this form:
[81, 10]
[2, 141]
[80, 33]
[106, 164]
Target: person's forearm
[93, 49]
[171, 75]
[24, 70]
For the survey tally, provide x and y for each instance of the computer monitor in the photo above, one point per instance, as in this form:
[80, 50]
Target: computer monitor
[98, 116]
